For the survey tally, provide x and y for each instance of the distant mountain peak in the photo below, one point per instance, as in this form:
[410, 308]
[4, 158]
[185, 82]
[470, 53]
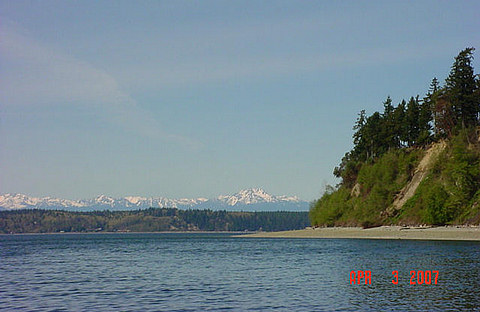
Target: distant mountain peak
[135, 199]
[104, 199]
[253, 196]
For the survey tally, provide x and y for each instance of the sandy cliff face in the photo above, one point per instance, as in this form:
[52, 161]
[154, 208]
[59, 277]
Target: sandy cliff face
[420, 173]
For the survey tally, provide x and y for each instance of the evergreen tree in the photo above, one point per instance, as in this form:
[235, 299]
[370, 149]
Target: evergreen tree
[388, 135]
[444, 115]
[401, 128]
[412, 121]
[374, 141]
[461, 87]
[434, 86]
[387, 107]
[429, 103]
[424, 122]
[358, 127]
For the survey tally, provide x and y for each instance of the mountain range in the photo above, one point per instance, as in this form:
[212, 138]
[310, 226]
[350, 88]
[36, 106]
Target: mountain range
[254, 199]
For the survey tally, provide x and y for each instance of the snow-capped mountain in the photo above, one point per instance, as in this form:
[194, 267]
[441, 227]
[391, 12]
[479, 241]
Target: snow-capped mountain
[254, 199]
[103, 202]
[20, 201]
[254, 196]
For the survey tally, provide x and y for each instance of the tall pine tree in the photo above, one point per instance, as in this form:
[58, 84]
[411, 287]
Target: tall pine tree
[461, 87]
[412, 118]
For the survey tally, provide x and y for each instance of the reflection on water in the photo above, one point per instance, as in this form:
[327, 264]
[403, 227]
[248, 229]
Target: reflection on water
[196, 272]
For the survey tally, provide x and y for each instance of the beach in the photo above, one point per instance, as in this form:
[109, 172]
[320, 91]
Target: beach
[462, 233]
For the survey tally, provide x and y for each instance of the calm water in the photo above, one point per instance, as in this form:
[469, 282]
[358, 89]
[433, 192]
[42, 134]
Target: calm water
[216, 272]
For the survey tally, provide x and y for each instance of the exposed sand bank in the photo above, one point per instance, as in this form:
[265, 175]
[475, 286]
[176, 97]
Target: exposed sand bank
[383, 232]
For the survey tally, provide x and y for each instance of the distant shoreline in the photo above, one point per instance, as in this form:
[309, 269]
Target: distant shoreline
[446, 233]
[460, 233]
[239, 233]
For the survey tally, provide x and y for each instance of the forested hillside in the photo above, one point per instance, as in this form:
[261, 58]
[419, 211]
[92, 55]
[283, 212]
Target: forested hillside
[148, 220]
[414, 163]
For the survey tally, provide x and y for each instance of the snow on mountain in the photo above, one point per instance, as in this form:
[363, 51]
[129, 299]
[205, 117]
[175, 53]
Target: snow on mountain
[254, 196]
[20, 201]
[250, 199]
[134, 200]
[17, 201]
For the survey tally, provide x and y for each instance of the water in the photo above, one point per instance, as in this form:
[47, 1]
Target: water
[217, 272]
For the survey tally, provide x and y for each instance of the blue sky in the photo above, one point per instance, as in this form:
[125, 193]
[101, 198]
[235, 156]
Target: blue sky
[201, 98]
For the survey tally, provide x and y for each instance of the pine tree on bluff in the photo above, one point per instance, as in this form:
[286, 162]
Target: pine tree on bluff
[462, 90]
[401, 128]
[425, 118]
[413, 110]
[359, 135]
[389, 134]
[430, 100]
[449, 108]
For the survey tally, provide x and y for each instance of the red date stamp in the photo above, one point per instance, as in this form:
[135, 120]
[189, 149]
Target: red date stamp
[417, 277]
[361, 277]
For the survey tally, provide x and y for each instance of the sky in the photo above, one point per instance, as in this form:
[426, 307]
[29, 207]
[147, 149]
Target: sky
[188, 99]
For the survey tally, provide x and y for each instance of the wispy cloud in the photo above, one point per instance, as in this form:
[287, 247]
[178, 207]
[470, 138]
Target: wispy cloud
[263, 49]
[151, 76]
[34, 74]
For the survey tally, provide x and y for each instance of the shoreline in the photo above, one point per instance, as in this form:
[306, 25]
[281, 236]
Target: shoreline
[446, 233]
[453, 233]
[237, 233]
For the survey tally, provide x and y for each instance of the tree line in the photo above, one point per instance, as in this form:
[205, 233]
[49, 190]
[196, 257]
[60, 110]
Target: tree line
[441, 114]
[148, 220]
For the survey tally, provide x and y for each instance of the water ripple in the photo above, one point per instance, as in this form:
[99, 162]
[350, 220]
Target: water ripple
[197, 272]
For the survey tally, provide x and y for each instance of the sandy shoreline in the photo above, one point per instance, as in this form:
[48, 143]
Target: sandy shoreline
[383, 232]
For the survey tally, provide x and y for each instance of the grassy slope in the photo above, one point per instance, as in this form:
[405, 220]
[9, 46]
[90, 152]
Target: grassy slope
[449, 193]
